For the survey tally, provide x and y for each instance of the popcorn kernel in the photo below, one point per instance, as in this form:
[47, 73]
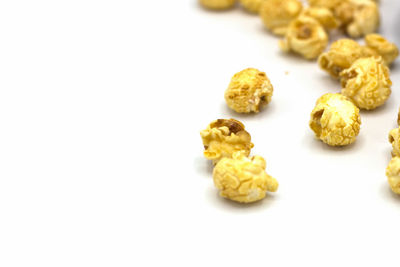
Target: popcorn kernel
[248, 91]
[367, 83]
[217, 4]
[306, 37]
[393, 174]
[277, 14]
[243, 179]
[223, 137]
[335, 120]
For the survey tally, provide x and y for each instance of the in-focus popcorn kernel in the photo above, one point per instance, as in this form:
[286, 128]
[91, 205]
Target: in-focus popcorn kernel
[393, 174]
[387, 50]
[277, 14]
[340, 56]
[335, 120]
[217, 4]
[358, 17]
[367, 82]
[248, 91]
[243, 179]
[394, 139]
[252, 6]
[306, 37]
[223, 137]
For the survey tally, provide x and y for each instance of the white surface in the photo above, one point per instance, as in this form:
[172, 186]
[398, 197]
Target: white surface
[101, 104]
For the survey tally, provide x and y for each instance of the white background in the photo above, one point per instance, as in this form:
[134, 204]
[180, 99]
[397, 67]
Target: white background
[101, 104]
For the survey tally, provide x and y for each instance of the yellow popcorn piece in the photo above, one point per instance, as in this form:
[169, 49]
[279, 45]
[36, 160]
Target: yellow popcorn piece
[243, 179]
[330, 4]
[358, 17]
[387, 50]
[340, 56]
[248, 91]
[322, 15]
[393, 174]
[398, 117]
[305, 36]
[252, 6]
[277, 14]
[335, 120]
[217, 4]
[394, 139]
[223, 137]
[367, 83]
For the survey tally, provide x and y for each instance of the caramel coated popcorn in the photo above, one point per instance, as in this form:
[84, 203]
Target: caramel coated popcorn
[340, 56]
[322, 15]
[367, 82]
[252, 6]
[306, 37]
[335, 120]
[393, 174]
[217, 4]
[224, 137]
[387, 50]
[248, 91]
[277, 14]
[358, 17]
[394, 139]
[243, 179]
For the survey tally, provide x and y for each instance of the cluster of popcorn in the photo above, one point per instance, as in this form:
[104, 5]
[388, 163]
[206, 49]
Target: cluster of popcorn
[237, 176]
[305, 28]
[362, 69]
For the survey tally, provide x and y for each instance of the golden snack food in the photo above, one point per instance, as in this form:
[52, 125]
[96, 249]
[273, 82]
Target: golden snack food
[248, 91]
[322, 15]
[223, 137]
[217, 4]
[252, 6]
[243, 179]
[277, 14]
[335, 120]
[394, 139]
[340, 56]
[393, 174]
[387, 50]
[367, 82]
[358, 17]
[330, 4]
[305, 36]
[398, 117]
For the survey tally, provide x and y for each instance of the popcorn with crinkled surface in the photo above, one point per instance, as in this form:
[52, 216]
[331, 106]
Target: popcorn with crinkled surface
[394, 140]
[249, 91]
[252, 6]
[358, 17]
[340, 56]
[223, 137]
[387, 50]
[393, 174]
[305, 36]
[277, 14]
[335, 120]
[217, 4]
[243, 179]
[367, 82]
